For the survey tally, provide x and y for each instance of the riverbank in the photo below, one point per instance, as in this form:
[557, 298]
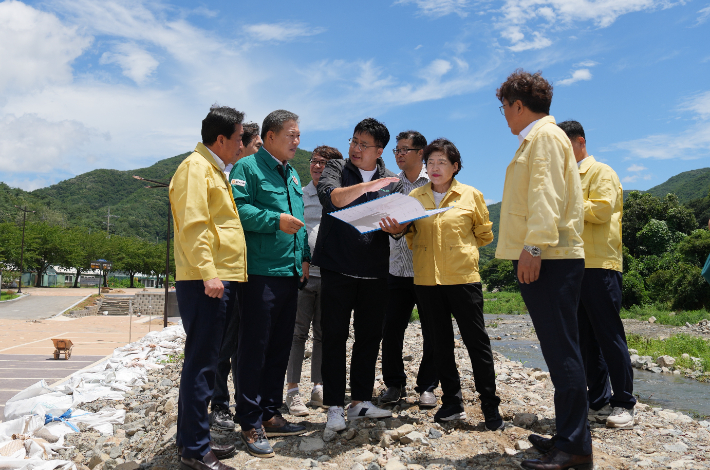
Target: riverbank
[410, 439]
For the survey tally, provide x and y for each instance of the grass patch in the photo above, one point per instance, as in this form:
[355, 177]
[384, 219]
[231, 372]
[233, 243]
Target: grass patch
[6, 296]
[174, 358]
[504, 303]
[675, 346]
[664, 315]
[85, 303]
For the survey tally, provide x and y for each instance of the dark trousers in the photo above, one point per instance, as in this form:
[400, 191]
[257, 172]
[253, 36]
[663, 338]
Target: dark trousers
[465, 303]
[602, 336]
[266, 324]
[402, 299]
[204, 319]
[552, 302]
[228, 357]
[340, 295]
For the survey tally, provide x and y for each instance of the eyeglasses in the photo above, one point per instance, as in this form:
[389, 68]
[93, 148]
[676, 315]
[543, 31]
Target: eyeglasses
[315, 162]
[360, 146]
[403, 150]
[502, 111]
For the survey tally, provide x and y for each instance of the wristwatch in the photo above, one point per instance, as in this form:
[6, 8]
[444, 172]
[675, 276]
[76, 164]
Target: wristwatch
[534, 251]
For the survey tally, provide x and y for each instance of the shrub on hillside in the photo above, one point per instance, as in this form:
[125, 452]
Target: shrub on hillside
[633, 290]
[499, 274]
[689, 289]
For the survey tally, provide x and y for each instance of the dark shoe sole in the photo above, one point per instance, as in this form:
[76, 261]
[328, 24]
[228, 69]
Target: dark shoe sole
[255, 453]
[286, 433]
[217, 427]
[583, 466]
[220, 456]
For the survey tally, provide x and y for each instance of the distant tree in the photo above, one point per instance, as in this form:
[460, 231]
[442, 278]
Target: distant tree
[45, 245]
[84, 247]
[133, 255]
[499, 274]
[695, 248]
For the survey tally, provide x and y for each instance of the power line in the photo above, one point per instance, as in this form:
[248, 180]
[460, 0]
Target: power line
[108, 221]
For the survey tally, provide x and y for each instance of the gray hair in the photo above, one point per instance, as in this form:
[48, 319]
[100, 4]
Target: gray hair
[275, 121]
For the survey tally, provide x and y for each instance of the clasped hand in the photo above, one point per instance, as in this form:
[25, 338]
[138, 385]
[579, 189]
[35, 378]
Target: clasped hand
[289, 224]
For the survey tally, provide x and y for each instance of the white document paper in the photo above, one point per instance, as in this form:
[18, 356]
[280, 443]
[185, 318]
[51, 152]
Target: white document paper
[366, 217]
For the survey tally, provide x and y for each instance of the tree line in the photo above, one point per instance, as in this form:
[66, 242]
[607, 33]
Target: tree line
[664, 252]
[75, 248]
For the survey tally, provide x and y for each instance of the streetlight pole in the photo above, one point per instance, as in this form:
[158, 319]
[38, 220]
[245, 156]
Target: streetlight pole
[22, 249]
[160, 184]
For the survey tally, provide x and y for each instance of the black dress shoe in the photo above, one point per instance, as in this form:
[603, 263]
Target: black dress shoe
[220, 451]
[559, 460]
[542, 444]
[221, 419]
[493, 419]
[278, 426]
[427, 400]
[392, 395]
[208, 462]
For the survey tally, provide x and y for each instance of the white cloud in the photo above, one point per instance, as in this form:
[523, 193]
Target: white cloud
[490, 201]
[687, 145]
[586, 63]
[136, 63]
[703, 15]
[31, 144]
[577, 76]
[438, 8]
[36, 49]
[521, 19]
[281, 32]
[437, 69]
[636, 168]
[630, 179]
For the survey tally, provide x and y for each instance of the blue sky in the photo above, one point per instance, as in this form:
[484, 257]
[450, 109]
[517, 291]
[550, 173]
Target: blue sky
[90, 84]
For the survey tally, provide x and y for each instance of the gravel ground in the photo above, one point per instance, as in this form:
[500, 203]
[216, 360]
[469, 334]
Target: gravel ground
[410, 439]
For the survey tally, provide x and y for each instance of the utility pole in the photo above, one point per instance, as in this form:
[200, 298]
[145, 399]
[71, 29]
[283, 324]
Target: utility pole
[22, 249]
[108, 221]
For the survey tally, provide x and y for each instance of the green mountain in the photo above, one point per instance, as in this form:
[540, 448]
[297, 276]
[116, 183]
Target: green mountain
[688, 186]
[86, 199]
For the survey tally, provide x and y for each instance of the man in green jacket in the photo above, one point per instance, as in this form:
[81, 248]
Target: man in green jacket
[269, 198]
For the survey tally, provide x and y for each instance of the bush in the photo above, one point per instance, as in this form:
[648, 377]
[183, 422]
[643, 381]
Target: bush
[690, 291]
[655, 238]
[123, 282]
[633, 290]
[499, 274]
[659, 284]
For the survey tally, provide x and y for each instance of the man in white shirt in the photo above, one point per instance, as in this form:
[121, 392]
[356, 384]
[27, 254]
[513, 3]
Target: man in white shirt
[408, 154]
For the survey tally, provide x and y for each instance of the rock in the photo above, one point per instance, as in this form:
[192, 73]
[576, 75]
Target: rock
[329, 435]
[309, 444]
[413, 437]
[510, 451]
[170, 405]
[678, 447]
[114, 452]
[357, 466]
[405, 429]
[522, 445]
[665, 361]
[362, 438]
[652, 319]
[365, 457]
[655, 370]
[98, 459]
[135, 426]
[166, 383]
[350, 433]
[434, 433]
[170, 434]
[386, 441]
[323, 458]
[394, 464]
[373, 466]
[524, 420]
[408, 357]
[632, 352]
[308, 463]
[540, 375]
[128, 466]
[685, 356]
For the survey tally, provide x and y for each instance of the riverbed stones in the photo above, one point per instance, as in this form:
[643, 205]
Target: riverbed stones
[665, 361]
[310, 444]
[525, 420]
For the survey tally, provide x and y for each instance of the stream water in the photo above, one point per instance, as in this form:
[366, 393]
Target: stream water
[667, 391]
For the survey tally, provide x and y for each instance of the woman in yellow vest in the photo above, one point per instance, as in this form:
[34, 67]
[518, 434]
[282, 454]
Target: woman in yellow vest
[447, 281]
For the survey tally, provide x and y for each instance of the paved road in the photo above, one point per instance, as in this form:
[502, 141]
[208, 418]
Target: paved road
[35, 307]
[19, 371]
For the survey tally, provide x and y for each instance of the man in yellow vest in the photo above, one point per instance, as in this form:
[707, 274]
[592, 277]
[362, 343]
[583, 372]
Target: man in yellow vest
[602, 338]
[210, 260]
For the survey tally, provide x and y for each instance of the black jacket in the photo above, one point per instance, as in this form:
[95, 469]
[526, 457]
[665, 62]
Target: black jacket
[340, 247]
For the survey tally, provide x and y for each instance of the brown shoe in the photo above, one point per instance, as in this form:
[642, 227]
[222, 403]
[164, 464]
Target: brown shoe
[208, 462]
[559, 460]
[221, 451]
[278, 426]
[427, 400]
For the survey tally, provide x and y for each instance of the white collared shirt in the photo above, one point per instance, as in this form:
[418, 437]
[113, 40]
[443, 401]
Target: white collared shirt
[524, 133]
[401, 263]
[579, 163]
[217, 160]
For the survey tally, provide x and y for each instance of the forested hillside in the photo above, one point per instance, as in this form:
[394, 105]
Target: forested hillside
[84, 201]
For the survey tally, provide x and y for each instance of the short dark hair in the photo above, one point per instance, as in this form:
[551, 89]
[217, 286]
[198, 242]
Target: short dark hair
[446, 147]
[572, 129]
[418, 140]
[221, 120]
[275, 121]
[251, 130]
[534, 91]
[329, 153]
[376, 129]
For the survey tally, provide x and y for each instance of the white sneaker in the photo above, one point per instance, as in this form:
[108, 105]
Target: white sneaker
[336, 419]
[599, 415]
[295, 405]
[620, 418]
[365, 409]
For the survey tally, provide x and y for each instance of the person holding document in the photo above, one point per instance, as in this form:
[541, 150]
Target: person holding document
[353, 268]
[446, 278]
